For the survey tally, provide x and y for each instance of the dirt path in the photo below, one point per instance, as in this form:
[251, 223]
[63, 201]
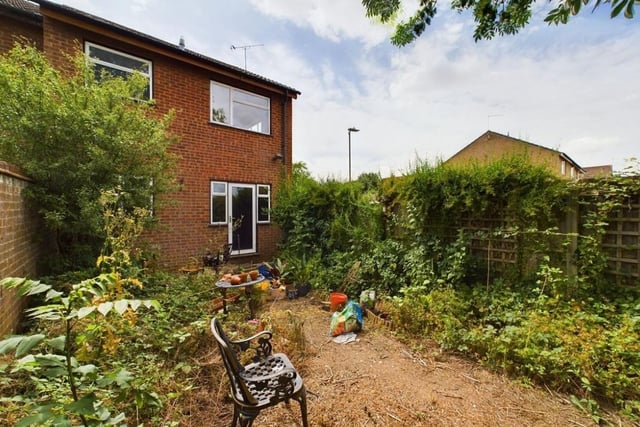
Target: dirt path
[379, 381]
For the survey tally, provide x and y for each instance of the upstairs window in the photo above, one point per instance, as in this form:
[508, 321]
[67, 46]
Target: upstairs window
[119, 64]
[240, 109]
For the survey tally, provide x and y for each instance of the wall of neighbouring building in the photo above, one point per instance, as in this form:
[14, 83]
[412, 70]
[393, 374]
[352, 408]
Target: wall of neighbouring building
[19, 247]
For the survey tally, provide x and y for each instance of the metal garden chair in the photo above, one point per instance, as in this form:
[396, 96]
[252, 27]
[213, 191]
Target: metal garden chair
[269, 380]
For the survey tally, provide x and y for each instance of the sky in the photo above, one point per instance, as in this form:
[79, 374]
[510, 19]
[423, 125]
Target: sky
[572, 88]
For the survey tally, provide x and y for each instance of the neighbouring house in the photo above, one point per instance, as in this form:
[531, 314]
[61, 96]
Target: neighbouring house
[492, 146]
[600, 171]
[234, 127]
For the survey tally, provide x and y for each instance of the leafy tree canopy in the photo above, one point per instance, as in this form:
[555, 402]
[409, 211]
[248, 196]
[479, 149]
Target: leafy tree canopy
[492, 17]
[78, 135]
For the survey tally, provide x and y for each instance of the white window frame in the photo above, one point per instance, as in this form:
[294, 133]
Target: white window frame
[265, 196]
[224, 194]
[563, 167]
[148, 74]
[233, 101]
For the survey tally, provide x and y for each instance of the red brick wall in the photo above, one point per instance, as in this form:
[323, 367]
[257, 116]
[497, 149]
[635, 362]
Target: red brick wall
[21, 30]
[206, 151]
[19, 249]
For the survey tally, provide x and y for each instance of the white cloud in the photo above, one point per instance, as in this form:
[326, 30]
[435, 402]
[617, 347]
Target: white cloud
[334, 20]
[140, 5]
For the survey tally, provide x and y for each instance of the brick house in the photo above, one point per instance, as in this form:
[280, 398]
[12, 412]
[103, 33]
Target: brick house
[234, 127]
[492, 146]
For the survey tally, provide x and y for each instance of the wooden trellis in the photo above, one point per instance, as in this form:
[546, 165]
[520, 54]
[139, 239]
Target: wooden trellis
[621, 243]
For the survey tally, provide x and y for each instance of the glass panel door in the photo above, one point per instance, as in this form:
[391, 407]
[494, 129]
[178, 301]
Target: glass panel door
[242, 229]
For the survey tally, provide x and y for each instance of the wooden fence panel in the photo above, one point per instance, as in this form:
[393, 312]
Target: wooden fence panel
[621, 244]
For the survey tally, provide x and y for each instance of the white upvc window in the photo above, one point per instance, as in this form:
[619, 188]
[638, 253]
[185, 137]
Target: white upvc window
[264, 203]
[239, 108]
[219, 213]
[563, 167]
[119, 64]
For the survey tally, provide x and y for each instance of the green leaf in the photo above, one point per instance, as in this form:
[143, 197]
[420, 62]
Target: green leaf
[50, 360]
[85, 311]
[105, 307]
[52, 294]
[57, 342]
[10, 344]
[628, 13]
[618, 6]
[28, 343]
[149, 303]
[123, 378]
[117, 420]
[84, 406]
[12, 282]
[86, 369]
[121, 306]
[62, 421]
[103, 415]
[55, 372]
[37, 288]
[25, 286]
[43, 413]
[135, 303]
[46, 312]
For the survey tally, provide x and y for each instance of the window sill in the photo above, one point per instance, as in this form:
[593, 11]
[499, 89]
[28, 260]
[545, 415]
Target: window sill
[238, 129]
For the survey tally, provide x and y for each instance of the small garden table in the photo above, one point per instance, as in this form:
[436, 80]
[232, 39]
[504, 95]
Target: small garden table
[225, 285]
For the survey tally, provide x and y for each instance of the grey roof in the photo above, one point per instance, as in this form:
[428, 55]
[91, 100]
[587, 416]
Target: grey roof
[22, 5]
[23, 8]
[31, 7]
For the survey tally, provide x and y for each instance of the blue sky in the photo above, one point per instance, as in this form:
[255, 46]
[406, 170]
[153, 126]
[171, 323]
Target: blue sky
[573, 88]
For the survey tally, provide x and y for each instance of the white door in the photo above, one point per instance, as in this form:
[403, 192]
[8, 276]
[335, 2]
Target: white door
[242, 224]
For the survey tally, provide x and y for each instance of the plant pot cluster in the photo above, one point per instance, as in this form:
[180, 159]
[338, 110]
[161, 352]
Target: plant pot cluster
[240, 278]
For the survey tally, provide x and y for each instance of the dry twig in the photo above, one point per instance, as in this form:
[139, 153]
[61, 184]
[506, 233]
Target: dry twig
[470, 378]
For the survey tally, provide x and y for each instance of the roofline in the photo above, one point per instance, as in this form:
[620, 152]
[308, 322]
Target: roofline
[490, 132]
[72, 16]
[31, 15]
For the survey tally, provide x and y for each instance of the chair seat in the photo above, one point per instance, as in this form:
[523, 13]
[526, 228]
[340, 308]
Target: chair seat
[266, 392]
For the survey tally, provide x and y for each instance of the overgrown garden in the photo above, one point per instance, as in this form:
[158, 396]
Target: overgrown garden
[551, 316]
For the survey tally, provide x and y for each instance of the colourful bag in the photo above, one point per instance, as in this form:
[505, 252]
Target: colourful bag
[347, 320]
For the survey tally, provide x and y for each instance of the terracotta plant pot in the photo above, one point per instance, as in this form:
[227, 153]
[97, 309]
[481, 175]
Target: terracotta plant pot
[253, 274]
[243, 277]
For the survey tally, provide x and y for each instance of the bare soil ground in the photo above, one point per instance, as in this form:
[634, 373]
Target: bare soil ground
[380, 381]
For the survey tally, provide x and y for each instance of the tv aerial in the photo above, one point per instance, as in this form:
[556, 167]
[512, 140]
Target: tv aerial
[245, 47]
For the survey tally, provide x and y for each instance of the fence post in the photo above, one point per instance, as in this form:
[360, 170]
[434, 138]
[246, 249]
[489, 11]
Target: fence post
[571, 230]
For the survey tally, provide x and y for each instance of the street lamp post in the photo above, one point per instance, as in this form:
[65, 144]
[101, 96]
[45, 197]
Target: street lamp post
[351, 129]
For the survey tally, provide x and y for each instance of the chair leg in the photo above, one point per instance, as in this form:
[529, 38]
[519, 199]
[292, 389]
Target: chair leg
[246, 418]
[302, 399]
[235, 416]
